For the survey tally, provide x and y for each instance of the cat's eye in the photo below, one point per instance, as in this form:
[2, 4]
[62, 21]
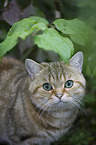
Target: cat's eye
[47, 86]
[69, 84]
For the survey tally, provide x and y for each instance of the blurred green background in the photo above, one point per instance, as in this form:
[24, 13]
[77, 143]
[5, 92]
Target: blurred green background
[83, 131]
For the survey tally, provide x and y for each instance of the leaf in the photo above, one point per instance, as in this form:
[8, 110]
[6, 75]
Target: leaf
[69, 26]
[78, 38]
[78, 30]
[22, 29]
[52, 40]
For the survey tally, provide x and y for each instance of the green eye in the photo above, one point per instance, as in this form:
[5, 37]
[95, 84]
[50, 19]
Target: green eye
[47, 87]
[69, 84]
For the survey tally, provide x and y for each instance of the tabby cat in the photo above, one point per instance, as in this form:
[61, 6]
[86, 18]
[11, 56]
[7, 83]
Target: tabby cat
[39, 105]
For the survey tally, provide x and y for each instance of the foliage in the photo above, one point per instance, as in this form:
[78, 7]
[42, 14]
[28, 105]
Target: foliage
[49, 38]
[21, 29]
[80, 36]
[52, 40]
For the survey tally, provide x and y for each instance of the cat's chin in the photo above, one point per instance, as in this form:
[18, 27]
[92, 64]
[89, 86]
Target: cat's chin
[61, 106]
[64, 103]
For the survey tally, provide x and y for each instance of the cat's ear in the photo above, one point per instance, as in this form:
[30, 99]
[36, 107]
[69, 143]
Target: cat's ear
[32, 67]
[77, 61]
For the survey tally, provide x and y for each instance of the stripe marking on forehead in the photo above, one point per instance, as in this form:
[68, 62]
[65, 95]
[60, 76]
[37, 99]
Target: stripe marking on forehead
[56, 71]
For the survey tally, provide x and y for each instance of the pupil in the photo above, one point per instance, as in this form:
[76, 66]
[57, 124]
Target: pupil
[69, 83]
[47, 86]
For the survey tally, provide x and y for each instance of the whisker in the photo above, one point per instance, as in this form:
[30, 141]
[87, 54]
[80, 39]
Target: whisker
[76, 104]
[80, 103]
[36, 107]
[40, 108]
[44, 110]
[47, 104]
[85, 100]
[81, 106]
[48, 112]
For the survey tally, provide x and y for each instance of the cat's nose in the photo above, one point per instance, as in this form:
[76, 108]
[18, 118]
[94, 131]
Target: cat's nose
[59, 95]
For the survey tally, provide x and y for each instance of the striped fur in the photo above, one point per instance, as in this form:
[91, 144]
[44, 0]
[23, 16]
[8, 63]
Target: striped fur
[30, 115]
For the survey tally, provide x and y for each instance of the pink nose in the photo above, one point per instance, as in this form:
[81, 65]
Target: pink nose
[59, 95]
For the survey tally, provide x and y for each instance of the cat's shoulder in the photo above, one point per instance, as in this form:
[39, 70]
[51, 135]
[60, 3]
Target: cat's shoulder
[8, 62]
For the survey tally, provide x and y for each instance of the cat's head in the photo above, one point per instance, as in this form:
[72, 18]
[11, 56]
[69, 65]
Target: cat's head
[56, 84]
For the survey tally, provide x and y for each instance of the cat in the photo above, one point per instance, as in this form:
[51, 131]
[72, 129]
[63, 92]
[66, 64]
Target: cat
[39, 102]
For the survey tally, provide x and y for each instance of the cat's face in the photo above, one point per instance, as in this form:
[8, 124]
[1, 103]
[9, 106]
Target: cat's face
[56, 86]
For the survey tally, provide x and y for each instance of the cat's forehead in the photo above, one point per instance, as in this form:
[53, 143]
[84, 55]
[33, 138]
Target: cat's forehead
[61, 71]
[56, 69]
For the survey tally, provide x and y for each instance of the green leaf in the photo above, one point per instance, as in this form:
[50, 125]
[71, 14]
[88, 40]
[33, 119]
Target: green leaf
[78, 38]
[39, 19]
[22, 29]
[69, 26]
[78, 30]
[52, 40]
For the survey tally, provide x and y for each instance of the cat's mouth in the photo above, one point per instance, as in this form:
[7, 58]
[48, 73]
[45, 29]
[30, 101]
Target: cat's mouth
[60, 97]
[60, 102]
[63, 99]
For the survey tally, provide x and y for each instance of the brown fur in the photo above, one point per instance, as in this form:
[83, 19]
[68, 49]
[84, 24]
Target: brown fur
[31, 115]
